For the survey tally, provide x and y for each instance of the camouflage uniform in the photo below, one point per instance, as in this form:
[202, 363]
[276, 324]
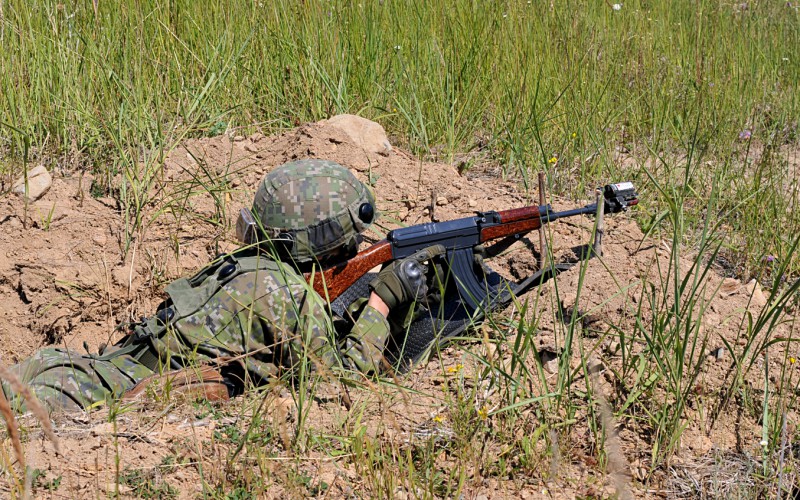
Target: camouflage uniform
[246, 310]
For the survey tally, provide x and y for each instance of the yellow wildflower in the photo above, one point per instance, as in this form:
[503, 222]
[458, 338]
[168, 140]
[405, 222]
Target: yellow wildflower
[574, 135]
[553, 160]
[438, 419]
[455, 369]
[483, 412]
[792, 360]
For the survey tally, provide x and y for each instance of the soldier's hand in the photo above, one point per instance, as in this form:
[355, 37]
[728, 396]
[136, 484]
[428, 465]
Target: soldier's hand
[404, 280]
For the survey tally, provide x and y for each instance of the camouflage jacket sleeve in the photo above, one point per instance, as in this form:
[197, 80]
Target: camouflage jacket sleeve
[363, 347]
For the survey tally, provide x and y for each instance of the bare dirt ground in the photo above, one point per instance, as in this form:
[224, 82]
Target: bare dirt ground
[65, 279]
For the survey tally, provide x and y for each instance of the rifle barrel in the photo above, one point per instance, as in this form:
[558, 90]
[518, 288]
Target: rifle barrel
[587, 210]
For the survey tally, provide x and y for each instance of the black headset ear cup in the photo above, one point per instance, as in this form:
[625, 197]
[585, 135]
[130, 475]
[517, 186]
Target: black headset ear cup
[285, 241]
[366, 212]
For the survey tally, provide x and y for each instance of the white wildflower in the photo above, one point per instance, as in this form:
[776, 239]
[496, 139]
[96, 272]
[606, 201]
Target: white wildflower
[617, 6]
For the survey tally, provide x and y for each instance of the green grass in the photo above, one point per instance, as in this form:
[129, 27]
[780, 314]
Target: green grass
[702, 94]
[518, 83]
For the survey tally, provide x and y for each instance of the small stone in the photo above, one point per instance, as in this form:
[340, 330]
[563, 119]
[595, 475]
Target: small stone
[757, 296]
[411, 204]
[103, 429]
[718, 353]
[442, 200]
[472, 203]
[549, 360]
[426, 211]
[594, 365]
[256, 137]
[123, 489]
[251, 148]
[39, 182]
[730, 286]
[99, 239]
[238, 138]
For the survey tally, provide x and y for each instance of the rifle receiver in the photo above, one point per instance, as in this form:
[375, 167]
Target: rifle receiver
[618, 197]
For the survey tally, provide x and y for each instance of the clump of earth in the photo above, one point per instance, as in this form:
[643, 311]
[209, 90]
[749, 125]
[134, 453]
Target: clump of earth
[72, 269]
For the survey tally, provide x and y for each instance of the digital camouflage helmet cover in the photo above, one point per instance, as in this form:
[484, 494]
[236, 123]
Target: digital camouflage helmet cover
[309, 210]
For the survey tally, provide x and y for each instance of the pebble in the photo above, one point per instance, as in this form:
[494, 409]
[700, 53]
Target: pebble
[251, 148]
[472, 203]
[718, 353]
[256, 137]
[39, 182]
[594, 365]
[442, 200]
[238, 138]
[613, 348]
[757, 296]
[549, 360]
[102, 429]
[730, 286]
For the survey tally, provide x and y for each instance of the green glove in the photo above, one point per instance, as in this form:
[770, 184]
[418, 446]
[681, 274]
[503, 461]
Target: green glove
[405, 280]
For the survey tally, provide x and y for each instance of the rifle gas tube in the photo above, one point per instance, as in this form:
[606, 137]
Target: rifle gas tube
[459, 237]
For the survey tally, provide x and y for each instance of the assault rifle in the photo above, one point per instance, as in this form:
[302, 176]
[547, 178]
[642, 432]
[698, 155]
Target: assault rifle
[460, 237]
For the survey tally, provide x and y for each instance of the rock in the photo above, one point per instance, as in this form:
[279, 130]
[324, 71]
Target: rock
[99, 239]
[613, 348]
[757, 297]
[238, 138]
[442, 200]
[251, 148]
[730, 286]
[103, 429]
[594, 365]
[549, 360]
[366, 134]
[256, 137]
[123, 489]
[39, 182]
[718, 353]
[472, 203]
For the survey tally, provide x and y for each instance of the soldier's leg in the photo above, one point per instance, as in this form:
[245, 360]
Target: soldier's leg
[65, 380]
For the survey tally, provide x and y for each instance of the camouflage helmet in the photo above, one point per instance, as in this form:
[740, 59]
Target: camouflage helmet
[311, 210]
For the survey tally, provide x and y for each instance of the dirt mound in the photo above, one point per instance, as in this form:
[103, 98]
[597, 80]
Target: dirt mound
[72, 267]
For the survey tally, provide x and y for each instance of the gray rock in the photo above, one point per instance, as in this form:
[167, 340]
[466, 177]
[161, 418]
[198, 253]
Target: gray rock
[39, 182]
[364, 133]
[718, 353]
